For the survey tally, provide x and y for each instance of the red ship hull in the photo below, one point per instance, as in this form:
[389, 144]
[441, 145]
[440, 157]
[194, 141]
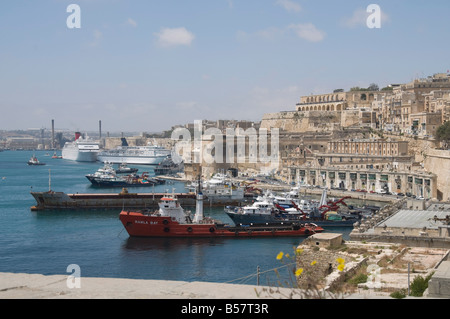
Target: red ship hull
[142, 225]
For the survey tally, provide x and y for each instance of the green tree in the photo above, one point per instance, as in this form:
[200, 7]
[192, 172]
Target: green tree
[443, 134]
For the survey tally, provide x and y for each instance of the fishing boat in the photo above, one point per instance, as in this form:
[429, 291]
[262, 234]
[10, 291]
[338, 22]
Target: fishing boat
[34, 161]
[171, 220]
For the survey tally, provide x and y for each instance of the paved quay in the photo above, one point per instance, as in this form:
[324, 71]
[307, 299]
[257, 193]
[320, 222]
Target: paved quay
[35, 286]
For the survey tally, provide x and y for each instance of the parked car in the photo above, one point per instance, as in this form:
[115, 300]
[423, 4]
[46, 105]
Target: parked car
[400, 194]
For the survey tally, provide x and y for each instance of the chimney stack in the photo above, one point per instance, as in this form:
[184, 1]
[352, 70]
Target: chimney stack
[53, 134]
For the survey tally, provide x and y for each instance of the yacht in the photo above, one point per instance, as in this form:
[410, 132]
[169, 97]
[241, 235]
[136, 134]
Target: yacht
[81, 150]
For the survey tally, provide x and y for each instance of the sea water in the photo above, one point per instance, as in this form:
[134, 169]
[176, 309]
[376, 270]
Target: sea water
[47, 242]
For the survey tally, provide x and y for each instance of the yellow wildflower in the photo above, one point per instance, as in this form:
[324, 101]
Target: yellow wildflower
[313, 262]
[280, 255]
[340, 261]
[287, 255]
[298, 272]
[299, 251]
[341, 267]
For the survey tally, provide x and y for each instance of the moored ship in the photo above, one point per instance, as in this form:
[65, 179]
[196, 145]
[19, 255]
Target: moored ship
[81, 150]
[271, 210]
[143, 155]
[172, 221]
[220, 189]
[52, 200]
[168, 167]
[107, 177]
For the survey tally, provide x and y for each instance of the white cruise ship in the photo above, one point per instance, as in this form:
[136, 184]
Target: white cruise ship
[81, 150]
[143, 155]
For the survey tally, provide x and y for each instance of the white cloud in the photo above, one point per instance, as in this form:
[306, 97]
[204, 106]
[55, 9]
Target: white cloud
[97, 34]
[270, 33]
[270, 100]
[97, 38]
[131, 22]
[308, 31]
[169, 37]
[359, 18]
[289, 5]
[187, 105]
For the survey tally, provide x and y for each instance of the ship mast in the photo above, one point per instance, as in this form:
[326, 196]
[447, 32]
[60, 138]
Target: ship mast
[199, 203]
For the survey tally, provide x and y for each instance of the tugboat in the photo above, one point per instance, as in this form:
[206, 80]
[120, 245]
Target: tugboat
[34, 161]
[172, 221]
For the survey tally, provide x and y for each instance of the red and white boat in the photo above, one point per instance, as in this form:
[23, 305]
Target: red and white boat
[172, 221]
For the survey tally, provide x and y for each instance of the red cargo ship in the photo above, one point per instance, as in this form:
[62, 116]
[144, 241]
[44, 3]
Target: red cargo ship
[172, 221]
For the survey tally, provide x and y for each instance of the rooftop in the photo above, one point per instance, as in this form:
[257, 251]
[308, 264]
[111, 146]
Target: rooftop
[416, 219]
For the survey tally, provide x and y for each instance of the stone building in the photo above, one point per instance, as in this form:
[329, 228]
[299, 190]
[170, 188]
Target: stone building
[418, 107]
[339, 101]
[369, 165]
[420, 184]
[369, 147]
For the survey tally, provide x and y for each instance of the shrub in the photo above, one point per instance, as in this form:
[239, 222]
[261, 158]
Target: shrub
[358, 279]
[419, 285]
[399, 294]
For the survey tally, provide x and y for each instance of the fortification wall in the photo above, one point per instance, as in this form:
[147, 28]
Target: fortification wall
[300, 122]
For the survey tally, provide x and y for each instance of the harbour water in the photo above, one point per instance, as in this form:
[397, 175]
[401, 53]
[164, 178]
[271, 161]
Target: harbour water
[47, 242]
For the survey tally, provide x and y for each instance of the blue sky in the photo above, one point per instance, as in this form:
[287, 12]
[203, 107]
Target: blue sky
[145, 65]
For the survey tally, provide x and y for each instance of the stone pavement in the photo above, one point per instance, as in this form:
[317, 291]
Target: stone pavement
[35, 286]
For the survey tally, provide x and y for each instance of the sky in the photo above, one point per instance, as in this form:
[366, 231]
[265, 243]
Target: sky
[147, 65]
